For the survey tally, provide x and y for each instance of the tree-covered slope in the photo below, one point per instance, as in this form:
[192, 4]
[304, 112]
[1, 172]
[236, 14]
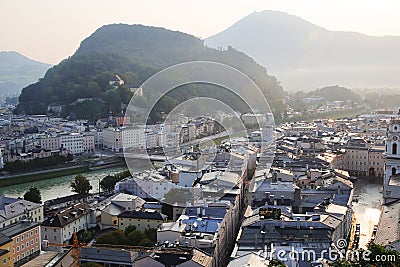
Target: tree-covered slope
[134, 52]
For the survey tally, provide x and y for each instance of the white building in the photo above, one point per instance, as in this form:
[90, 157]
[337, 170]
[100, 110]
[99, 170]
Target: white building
[12, 210]
[88, 142]
[145, 185]
[112, 139]
[50, 142]
[391, 184]
[72, 142]
[118, 139]
[60, 227]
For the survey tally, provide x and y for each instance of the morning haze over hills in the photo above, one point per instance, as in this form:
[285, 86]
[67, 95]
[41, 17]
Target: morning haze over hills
[134, 52]
[304, 56]
[18, 71]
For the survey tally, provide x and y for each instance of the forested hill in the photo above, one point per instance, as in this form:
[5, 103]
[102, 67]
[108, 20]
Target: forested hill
[134, 52]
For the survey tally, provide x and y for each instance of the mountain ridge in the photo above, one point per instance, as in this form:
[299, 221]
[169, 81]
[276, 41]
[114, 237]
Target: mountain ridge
[134, 52]
[306, 56]
[18, 71]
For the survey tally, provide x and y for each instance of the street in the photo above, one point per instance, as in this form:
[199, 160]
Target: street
[367, 202]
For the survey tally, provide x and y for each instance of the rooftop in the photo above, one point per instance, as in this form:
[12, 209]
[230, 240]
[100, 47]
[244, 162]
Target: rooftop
[18, 228]
[67, 216]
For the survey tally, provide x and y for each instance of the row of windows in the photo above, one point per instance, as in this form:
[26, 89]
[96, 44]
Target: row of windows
[17, 249]
[361, 163]
[27, 235]
[18, 258]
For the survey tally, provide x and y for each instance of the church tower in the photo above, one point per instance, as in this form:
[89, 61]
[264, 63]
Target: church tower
[391, 183]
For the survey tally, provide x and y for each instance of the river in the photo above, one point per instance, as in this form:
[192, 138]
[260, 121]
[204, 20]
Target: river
[60, 186]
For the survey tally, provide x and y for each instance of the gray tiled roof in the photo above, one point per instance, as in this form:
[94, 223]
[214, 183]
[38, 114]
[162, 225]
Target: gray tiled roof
[389, 228]
[67, 216]
[18, 228]
[106, 255]
[12, 207]
[4, 239]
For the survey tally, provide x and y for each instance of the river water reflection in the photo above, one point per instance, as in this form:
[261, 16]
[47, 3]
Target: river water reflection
[59, 187]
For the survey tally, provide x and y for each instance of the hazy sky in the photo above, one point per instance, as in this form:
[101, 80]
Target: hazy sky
[51, 30]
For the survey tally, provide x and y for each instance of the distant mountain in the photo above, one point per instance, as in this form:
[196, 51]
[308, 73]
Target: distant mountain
[305, 56]
[18, 71]
[335, 93]
[133, 52]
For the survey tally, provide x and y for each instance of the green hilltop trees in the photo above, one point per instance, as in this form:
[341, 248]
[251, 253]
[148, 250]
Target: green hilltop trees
[135, 53]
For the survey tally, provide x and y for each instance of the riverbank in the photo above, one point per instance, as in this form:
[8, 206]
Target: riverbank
[40, 175]
[106, 165]
[56, 187]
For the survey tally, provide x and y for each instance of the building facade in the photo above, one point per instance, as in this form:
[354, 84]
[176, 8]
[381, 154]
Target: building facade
[391, 184]
[6, 249]
[362, 159]
[58, 229]
[12, 210]
[26, 240]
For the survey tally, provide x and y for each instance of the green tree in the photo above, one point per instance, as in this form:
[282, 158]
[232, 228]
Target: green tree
[33, 195]
[81, 185]
[116, 237]
[129, 229]
[146, 243]
[151, 234]
[69, 157]
[276, 263]
[135, 237]
[107, 184]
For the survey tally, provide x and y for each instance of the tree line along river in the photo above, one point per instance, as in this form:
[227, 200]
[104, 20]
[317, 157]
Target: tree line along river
[60, 186]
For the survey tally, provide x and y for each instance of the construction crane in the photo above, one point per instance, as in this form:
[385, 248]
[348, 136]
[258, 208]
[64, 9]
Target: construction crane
[75, 251]
[76, 246]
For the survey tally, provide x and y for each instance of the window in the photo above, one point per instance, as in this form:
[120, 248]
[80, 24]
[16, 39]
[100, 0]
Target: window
[394, 171]
[17, 249]
[22, 237]
[17, 239]
[394, 148]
